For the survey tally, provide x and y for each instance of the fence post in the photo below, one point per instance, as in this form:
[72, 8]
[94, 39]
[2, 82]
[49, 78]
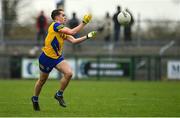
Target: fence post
[132, 68]
[149, 67]
[76, 67]
[98, 67]
[159, 68]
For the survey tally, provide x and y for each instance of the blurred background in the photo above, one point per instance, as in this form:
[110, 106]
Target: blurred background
[146, 49]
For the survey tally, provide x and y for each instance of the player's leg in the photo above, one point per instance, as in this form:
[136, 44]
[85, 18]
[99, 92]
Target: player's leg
[40, 82]
[65, 68]
[45, 68]
[37, 89]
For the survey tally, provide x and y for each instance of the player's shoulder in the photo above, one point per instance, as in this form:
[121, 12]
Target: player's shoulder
[57, 26]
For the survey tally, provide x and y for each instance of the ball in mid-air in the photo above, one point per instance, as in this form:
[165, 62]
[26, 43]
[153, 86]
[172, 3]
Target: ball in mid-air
[124, 18]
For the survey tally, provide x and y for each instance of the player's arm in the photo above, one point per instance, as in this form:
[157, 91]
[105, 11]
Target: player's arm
[73, 31]
[73, 40]
[68, 31]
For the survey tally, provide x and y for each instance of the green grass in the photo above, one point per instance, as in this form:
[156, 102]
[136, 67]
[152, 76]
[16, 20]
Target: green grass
[93, 98]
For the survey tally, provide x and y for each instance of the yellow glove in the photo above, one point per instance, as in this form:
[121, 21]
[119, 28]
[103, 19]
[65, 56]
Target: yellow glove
[91, 34]
[87, 18]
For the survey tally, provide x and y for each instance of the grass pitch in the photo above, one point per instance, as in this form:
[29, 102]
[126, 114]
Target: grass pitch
[92, 98]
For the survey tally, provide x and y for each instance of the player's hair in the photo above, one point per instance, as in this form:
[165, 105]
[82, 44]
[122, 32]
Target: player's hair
[55, 13]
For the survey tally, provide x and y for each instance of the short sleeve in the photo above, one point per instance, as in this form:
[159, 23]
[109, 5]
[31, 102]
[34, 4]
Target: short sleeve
[57, 27]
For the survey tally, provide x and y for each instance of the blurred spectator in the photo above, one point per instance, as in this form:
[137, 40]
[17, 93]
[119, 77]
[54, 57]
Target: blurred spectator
[73, 22]
[117, 26]
[41, 25]
[127, 28]
[59, 4]
[107, 27]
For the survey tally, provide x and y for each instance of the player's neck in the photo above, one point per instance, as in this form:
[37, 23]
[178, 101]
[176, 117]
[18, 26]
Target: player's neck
[57, 21]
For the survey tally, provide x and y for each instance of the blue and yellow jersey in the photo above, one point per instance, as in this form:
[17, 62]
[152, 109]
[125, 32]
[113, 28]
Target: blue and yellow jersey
[54, 41]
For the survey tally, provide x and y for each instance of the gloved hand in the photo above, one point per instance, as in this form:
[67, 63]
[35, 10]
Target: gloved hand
[87, 18]
[91, 34]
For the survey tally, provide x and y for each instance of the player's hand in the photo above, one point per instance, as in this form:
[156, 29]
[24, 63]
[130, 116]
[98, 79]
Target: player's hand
[91, 34]
[87, 18]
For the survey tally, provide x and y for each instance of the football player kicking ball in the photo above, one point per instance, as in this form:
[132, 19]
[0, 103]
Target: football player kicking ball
[52, 56]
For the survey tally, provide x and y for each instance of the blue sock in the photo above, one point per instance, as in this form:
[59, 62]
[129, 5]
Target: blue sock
[35, 98]
[59, 93]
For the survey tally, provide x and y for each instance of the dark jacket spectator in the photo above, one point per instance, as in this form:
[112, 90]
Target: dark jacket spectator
[117, 26]
[107, 27]
[41, 25]
[128, 28]
[73, 22]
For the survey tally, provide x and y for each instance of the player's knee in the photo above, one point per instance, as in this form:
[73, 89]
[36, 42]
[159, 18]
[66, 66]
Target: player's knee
[42, 81]
[69, 74]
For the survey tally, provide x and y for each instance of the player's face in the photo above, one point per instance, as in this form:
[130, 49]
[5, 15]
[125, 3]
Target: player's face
[62, 17]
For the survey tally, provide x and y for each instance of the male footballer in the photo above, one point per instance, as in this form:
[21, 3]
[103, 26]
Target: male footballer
[52, 56]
